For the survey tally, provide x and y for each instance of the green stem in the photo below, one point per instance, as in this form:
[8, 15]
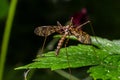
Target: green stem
[66, 75]
[6, 36]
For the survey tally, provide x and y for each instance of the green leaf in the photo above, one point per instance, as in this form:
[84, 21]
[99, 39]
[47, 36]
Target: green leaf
[103, 58]
[108, 69]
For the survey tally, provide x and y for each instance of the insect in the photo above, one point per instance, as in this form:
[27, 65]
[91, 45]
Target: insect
[73, 28]
[67, 30]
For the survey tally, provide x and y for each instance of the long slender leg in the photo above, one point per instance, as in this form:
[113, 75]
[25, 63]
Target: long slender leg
[78, 27]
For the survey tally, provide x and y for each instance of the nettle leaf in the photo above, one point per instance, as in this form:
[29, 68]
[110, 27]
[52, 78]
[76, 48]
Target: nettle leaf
[104, 59]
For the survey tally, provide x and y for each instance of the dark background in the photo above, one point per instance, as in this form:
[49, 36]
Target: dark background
[24, 44]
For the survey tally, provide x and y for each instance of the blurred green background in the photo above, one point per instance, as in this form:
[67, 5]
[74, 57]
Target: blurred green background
[24, 44]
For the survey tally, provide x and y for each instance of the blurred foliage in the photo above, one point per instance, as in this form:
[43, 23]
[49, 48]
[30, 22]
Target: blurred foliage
[24, 44]
[3, 8]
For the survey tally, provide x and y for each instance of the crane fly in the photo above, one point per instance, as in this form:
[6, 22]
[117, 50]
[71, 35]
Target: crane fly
[73, 28]
[67, 30]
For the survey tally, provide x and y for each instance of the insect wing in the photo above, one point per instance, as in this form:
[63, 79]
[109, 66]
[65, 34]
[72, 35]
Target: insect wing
[45, 30]
[82, 36]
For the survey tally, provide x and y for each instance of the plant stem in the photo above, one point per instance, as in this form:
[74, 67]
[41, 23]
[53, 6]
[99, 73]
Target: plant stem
[6, 36]
[66, 75]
